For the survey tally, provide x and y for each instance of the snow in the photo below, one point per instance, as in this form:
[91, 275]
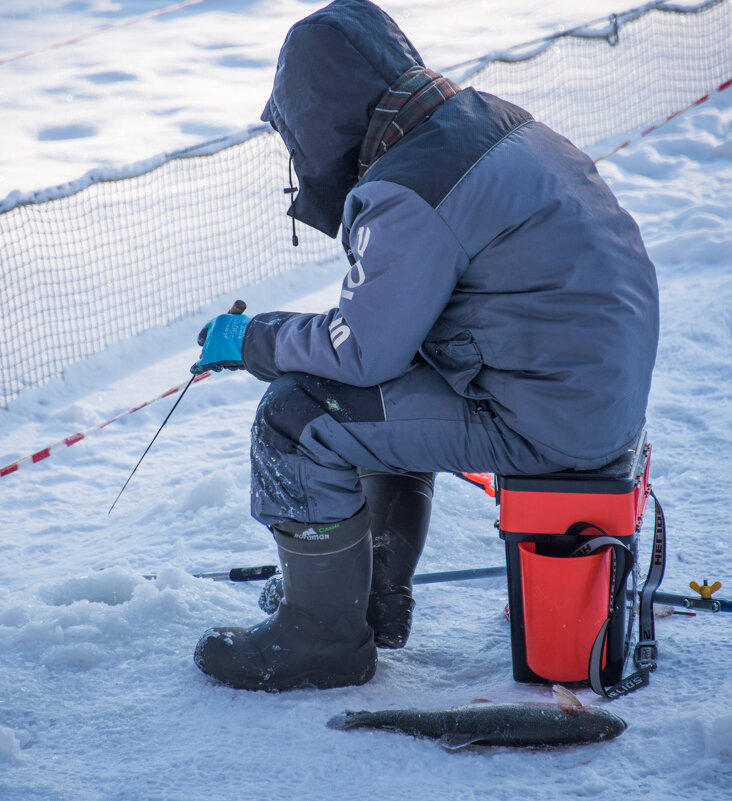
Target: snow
[100, 697]
[164, 83]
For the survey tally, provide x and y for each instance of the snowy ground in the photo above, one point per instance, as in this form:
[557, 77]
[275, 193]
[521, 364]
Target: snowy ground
[199, 73]
[100, 700]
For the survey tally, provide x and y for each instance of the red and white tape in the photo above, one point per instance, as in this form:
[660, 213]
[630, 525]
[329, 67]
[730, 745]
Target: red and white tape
[720, 88]
[44, 453]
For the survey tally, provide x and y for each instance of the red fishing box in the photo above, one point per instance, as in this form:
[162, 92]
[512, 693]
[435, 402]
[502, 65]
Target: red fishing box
[558, 600]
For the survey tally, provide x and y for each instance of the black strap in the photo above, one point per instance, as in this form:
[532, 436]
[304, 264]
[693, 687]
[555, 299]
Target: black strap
[646, 651]
[622, 564]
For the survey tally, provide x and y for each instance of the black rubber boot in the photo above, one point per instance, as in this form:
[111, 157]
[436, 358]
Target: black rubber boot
[318, 637]
[400, 505]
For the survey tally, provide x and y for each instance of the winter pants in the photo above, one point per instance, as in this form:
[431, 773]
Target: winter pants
[310, 433]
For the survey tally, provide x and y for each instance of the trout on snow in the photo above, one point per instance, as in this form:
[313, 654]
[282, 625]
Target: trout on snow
[529, 725]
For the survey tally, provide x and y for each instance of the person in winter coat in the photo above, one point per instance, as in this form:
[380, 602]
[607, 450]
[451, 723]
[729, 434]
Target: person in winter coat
[500, 314]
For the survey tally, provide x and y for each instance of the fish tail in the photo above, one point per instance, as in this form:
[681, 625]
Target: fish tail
[347, 720]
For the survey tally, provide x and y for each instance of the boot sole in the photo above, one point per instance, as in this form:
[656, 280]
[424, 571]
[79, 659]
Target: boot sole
[223, 667]
[328, 682]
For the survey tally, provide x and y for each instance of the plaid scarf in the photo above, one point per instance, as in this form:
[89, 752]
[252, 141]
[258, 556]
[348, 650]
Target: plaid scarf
[405, 105]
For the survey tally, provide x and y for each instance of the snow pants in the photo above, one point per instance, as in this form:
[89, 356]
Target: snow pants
[310, 434]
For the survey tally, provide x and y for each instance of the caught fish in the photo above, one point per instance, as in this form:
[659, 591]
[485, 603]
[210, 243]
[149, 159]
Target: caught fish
[532, 725]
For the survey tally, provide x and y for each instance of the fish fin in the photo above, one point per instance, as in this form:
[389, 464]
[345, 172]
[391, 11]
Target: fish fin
[346, 720]
[452, 741]
[566, 700]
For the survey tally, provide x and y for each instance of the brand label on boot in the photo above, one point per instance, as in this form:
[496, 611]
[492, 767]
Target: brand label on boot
[311, 534]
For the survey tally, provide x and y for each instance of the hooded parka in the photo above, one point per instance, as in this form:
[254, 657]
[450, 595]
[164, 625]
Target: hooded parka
[482, 245]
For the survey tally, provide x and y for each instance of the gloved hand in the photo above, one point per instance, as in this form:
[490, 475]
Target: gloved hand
[221, 339]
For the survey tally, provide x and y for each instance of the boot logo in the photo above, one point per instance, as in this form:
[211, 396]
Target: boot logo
[311, 534]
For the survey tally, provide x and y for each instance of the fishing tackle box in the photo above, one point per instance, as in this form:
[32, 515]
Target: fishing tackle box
[558, 601]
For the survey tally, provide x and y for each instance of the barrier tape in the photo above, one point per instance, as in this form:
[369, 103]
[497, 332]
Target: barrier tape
[699, 101]
[44, 453]
[112, 26]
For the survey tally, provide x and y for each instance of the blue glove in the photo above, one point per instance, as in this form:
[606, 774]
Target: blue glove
[221, 338]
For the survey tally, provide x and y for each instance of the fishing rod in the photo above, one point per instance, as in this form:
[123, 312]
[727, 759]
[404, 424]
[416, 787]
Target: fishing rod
[134, 470]
[239, 307]
[263, 572]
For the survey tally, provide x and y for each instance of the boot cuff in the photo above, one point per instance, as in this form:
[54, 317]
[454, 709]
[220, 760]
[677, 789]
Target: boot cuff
[317, 539]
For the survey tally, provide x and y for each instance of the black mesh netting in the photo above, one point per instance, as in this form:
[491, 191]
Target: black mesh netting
[609, 79]
[102, 263]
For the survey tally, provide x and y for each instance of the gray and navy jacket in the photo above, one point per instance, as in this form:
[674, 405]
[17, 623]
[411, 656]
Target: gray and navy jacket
[482, 243]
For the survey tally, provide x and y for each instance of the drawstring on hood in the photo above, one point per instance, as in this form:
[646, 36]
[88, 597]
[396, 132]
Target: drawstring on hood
[291, 190]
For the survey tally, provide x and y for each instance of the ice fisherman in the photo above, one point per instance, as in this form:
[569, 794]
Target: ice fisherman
[500, 314]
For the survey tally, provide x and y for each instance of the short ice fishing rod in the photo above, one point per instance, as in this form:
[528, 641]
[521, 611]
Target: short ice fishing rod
[239, 307]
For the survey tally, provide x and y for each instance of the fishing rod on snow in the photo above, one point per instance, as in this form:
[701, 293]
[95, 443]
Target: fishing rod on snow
[239, 307]
[263, 572]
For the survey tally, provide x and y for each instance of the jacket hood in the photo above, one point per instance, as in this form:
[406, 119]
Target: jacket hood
[333, 68]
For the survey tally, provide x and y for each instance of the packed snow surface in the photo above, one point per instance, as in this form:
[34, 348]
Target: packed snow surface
[100, 698]
[205, 71]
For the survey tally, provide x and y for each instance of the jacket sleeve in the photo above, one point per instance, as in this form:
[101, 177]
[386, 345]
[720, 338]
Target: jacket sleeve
[405, 263]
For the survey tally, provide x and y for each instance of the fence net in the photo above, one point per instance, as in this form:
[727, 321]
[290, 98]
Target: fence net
[622, 74]
[99, 264]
